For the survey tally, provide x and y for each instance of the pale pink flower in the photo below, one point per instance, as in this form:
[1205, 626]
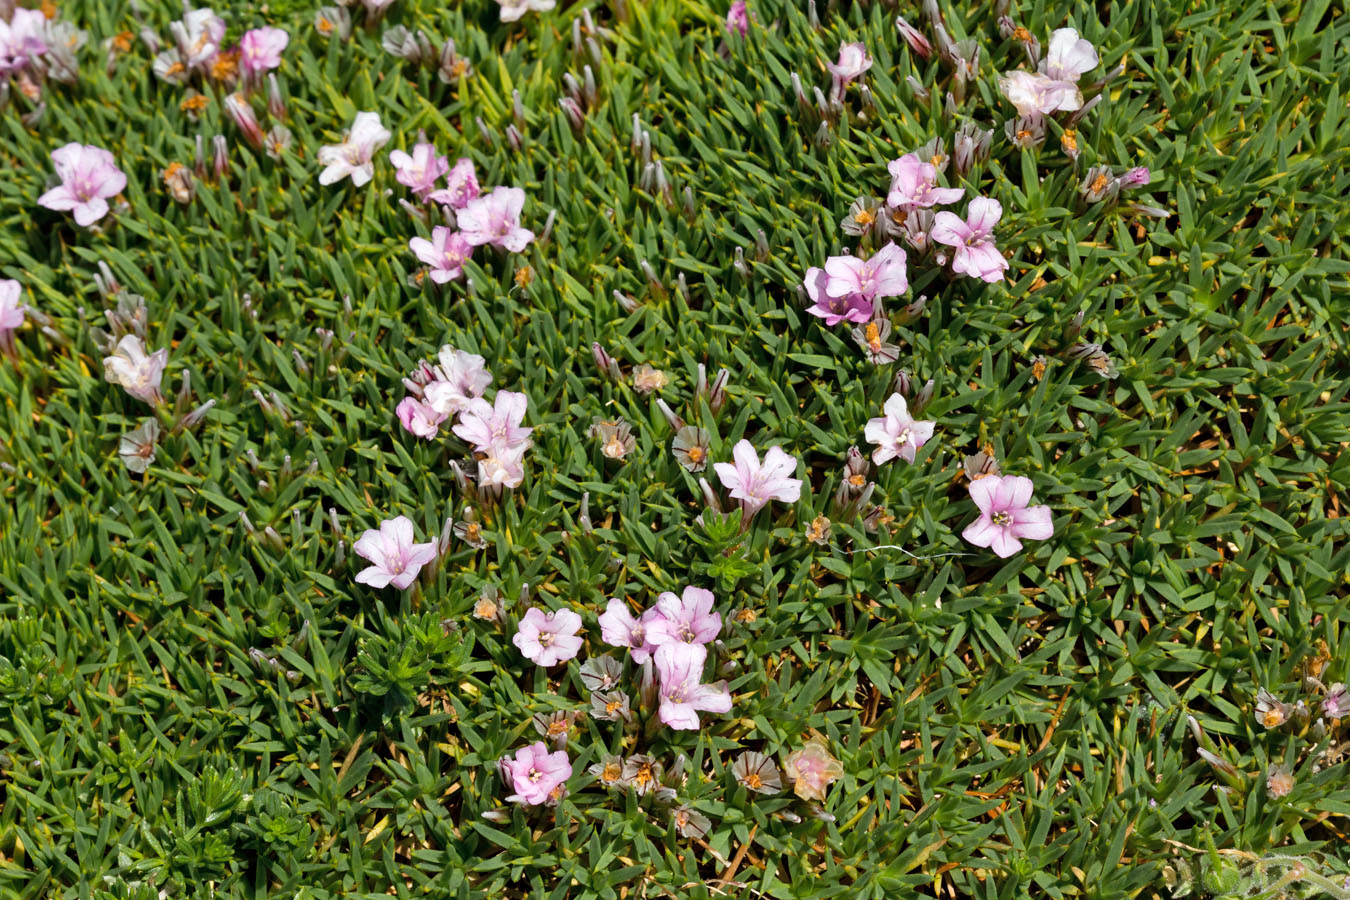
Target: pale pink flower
[619, 628]
[494, 218]
[880, 275]
[683, 696]
[445, 253]
[1068, 56]
[1336, 704]
[514, 9]
[849, 308]
[976, 255]
[688, 618]
[419, 418]
[354, 157]
[914, 184]
[853, 62]
[89, 177]
[755, 484]
[420, 169]
[1005, 518]
[139, 374]
[395, 558]
[461, 186]
[503, 467]
[547, 639]
[495, 426]
[738, 19]
[1037, 95]
[536, 775]
[260, 50]
[22, 40]
[914, 37]
[896, 434]
[11, 313]
[460, 378]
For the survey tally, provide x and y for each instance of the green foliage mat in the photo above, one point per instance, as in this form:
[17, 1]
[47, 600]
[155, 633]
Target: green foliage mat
[1007, 728]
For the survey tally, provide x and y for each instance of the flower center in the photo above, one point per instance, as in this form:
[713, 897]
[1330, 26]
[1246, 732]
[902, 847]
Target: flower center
[535, 775]
[1272, 718]
[545, 638]
[864, 217]
[695, 454]
[687, 635]
[1099, 183]
[1002, 519]
[904, 436]
[753, 781]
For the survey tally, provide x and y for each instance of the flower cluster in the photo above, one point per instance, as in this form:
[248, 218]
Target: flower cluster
[34, 48]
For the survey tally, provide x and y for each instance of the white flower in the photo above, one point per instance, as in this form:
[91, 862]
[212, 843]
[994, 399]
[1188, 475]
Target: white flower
[353, 158]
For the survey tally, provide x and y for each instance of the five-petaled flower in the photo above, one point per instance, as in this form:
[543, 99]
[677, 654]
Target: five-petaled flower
[683, 695]
[1005, 518]
[260, 50]
[354, 157]
[896, 433]
[494, 218]
[89, 178]
[755, 483]
[420, 169]
[394, 556]
[688, 618]
[536, 775]
[880, 275]
[914, 185]
[445, 253]
[976, 254]
[547, 639]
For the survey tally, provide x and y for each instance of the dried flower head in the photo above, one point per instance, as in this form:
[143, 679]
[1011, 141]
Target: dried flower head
[179, 183]
[600, 673]
[610, 705]
[615, 437]
[642, 773]
[689, 822]
[818, 532]
[862, 216]
[1270, 712]
[646, 379]
[812, 769]
[1279, 780]
[609, 772]
[488, 606]
[980, 465]
[137, 448]
[756, 772]
[690, 446]
[872, 338]
[554, 726]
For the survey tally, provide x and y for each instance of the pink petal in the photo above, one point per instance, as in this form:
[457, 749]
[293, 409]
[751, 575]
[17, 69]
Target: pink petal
[984, 492]
[981, 532]
[1034, 523]
[948, 228]
[1005, 544]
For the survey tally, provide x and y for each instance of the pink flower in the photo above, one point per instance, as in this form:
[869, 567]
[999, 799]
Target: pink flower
[680, 669]
[241, 113]
[419, 418]
[419, 170]
[495, 219]
[755, 484]
[497, 426]
[547, 639]
[460, 378]
[503, 467]
[1336, 704]
[1037, 95]
[976, 255]
[1005, 517]
[687, 619]
[915, 38]
[537, 776]
[394, 558]
[1136, 177]
[853, 62]
[260, 50]
[1068, 57]
[22, 40]
[896, 434]
[914, 184]
[738, 19]
[880, 275]
[89, 177]
[138, 374]
[812, 769]
[354, 157]
[11, 312]
[461, 186]
[850, 308]
[619, 628]
[446, 253]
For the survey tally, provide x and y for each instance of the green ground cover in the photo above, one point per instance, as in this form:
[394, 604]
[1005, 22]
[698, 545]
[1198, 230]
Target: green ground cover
[197, 699]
